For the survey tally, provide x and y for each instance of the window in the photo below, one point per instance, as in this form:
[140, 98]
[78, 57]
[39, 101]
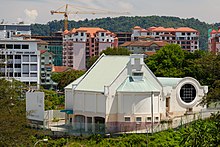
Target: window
[156, 119]
[17, 65]
[33, 58]
[17, 46]
[9, 46]
[82, 34]
[33, 75]
[17, 74]
[137, 73]
[187, 93]
[25, 46]
[2, 46]
[17, 56]
[183, 33]
[127, 119]
[138, 119]
[102, 34]
[148, 119]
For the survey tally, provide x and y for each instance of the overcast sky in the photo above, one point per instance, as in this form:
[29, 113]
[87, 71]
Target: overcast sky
[38, 11]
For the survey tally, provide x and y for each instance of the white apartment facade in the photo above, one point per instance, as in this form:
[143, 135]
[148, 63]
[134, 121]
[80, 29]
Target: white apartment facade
[186, 37]
[19, 57]
[82, 43]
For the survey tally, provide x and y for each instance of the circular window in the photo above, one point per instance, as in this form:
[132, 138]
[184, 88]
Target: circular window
[187, 93]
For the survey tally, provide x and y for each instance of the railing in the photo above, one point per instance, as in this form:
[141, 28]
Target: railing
[81, 128]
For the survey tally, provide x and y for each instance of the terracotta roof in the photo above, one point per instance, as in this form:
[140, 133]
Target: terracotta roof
[213, 31]
[185, 29]
[66, 32]
[60, 68]
[150, 53]
[43, 51]
[144, 43]
[137, 27]
[162, 29]
[89, 30]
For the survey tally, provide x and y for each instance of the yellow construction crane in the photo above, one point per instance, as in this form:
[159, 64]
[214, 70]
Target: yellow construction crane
[78, 10]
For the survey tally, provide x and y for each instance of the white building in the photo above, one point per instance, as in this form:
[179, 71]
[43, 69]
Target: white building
[82, 43]
[118, 91]
[186, 37]
[19, 57]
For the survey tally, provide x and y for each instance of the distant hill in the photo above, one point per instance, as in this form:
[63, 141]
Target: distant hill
[124, 24]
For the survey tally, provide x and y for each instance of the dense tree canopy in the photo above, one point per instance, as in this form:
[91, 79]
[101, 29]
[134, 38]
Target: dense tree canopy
[168, 61]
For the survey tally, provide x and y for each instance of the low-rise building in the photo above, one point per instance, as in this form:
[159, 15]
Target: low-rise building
[121, 92]
[144, 47]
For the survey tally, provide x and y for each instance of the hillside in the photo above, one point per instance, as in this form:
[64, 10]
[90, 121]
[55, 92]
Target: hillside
[124, 24]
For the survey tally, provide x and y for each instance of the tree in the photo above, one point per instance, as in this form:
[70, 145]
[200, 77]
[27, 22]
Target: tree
[168, 61]
[65, 78]
[116, 51]
[91, 61]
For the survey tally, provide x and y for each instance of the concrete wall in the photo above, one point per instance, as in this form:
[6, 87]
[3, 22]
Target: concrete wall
[89, 102]
[79, 57]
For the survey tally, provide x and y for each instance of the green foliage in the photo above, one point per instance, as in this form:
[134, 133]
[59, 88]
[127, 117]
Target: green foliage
[167, 61]
[116, 51]
[53, 100]
[125, 24]
[91, 61]
[65, 78]
[11, 89]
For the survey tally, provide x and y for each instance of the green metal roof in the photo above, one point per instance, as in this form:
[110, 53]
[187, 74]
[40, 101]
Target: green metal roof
[144, 85]
[165, 81]
[103, 73]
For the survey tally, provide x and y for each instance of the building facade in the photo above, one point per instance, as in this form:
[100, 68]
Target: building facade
[187, 38]
[55, 45]
[82, 43]
[19, 56]
[214, 41]
[123, 37]
[144, 47]
[127, 94]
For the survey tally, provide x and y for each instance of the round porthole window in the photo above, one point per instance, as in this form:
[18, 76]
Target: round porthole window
[187, 93]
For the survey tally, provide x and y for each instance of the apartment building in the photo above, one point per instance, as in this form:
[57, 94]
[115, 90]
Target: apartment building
[19, 57]
[55, 45]
[186, 37]
[82, 43]
[214, 40]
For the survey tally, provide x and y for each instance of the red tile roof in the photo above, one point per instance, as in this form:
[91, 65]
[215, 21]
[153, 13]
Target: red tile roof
[144, 43]
[162, 29]
[60, 68]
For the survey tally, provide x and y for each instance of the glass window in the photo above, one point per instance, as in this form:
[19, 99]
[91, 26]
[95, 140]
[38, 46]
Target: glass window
[148, 118]
[9, 46]
[17, 56]
[127, 119]
[25, 46]
[187, 93]
[17, 46]
[138, 118]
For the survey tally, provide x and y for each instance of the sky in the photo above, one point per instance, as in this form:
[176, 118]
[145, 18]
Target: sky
[38, 11]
